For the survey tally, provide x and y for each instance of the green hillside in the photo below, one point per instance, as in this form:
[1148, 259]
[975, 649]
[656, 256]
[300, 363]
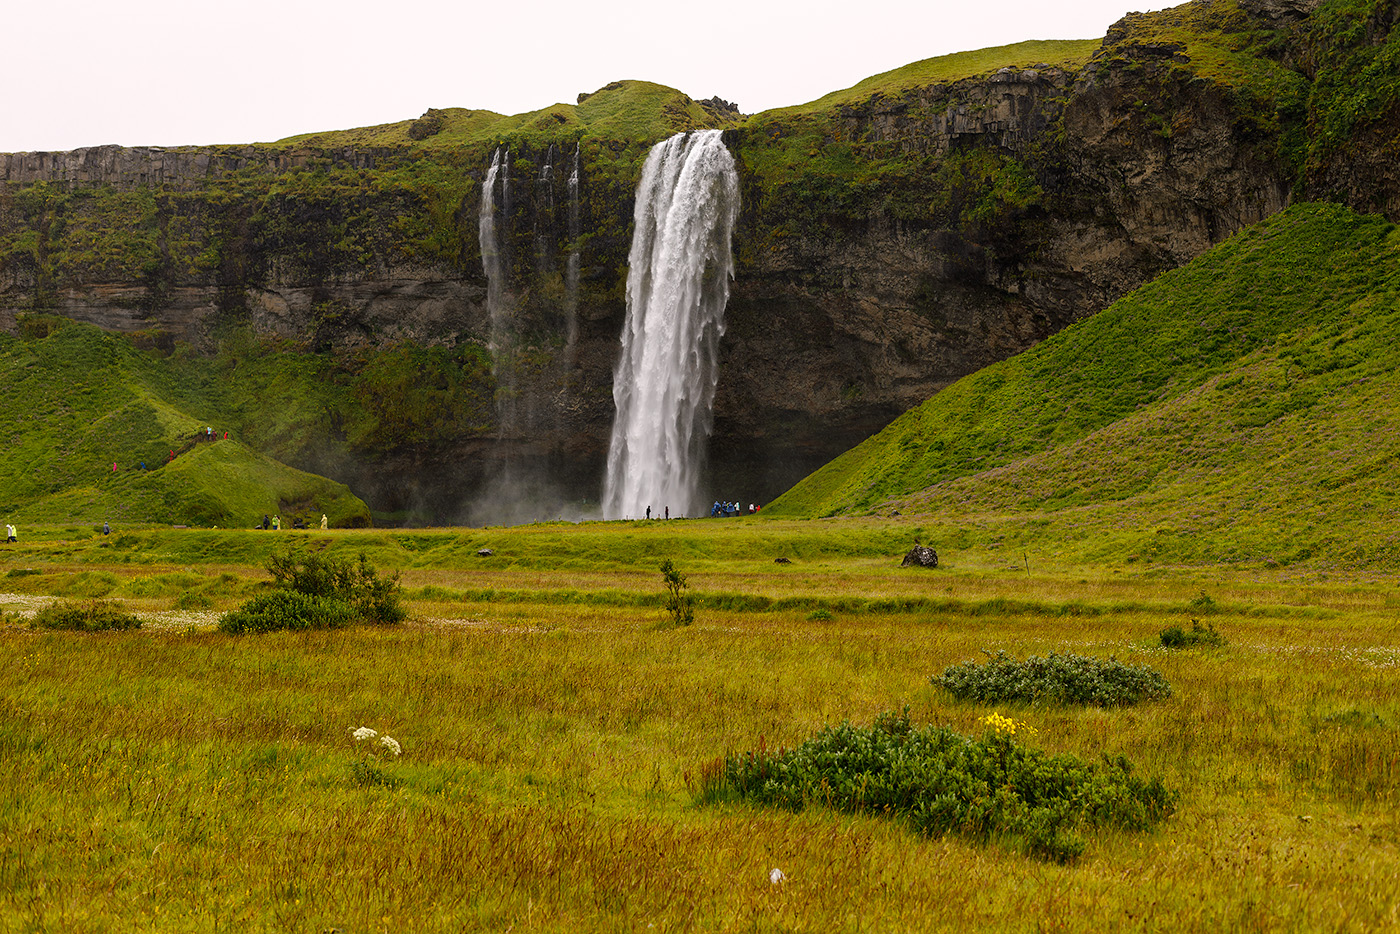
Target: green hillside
[1243, 406]
[75, 401]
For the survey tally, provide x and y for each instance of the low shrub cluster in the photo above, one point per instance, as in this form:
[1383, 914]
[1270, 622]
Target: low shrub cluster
[287, 609]
[1174, 637]
[942, 782]
[86, 616]
[319, 592]
[1055, 679]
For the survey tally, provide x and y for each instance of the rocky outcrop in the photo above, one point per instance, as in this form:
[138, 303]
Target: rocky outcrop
[177, 168]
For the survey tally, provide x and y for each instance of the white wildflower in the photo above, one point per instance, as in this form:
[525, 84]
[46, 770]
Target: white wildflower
[391, 744]
[776, 876]
[364, 733]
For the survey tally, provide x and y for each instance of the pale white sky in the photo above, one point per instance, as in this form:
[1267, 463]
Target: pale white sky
[163, 72]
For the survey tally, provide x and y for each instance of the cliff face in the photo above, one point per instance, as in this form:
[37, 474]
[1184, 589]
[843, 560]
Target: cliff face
[891, 241]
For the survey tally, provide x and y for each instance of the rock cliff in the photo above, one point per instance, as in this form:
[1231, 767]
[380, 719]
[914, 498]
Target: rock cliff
[893, 238]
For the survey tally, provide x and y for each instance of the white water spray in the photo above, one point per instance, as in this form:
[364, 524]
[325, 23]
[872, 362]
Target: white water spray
[677, 286]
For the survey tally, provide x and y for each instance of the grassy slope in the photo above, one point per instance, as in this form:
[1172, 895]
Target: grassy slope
[78, 400]
[1248, 390]
[1060, 53]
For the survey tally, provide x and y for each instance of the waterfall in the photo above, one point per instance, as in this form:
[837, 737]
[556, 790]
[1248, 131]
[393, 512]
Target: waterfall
[571, 270]
[495, 261]
[491, 261]
[544, 215]
[677, 286]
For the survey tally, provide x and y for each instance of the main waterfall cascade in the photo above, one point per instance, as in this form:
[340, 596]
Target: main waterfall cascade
[680, 265]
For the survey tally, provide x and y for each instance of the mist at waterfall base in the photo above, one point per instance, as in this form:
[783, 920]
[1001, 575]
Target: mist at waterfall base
[678, 277]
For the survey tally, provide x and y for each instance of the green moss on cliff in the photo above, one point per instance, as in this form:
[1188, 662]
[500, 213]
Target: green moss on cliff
[1357, 51]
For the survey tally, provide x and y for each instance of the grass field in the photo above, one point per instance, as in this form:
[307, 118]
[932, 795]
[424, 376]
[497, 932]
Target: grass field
[553, 731]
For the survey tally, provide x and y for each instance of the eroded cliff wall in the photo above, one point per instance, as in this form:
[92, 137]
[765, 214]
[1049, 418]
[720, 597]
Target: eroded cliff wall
[890, 241]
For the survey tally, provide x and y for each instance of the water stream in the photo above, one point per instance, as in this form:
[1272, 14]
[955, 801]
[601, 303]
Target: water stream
[677, 286]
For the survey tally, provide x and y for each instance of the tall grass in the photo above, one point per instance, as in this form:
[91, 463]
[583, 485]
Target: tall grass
[183, 780]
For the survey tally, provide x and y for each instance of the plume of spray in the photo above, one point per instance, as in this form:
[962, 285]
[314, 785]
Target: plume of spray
[680, 265]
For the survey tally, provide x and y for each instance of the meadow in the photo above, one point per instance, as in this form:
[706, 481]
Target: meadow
[554, 732]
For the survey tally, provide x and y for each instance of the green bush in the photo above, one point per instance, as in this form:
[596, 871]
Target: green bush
[1056, 679]
[319, 592]
[1174, 637]
[287, 609]
[88, 616]
[941, 782]
[375, 599]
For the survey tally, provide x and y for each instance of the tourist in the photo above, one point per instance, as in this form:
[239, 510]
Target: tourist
[325, 523]
[648, 512]
[266, 523]
[106, 529]
[10, 533]
[276, 523]
[668, 512]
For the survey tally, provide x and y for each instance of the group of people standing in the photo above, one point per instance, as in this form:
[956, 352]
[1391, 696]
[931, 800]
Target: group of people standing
[275, 523]
[731, 509]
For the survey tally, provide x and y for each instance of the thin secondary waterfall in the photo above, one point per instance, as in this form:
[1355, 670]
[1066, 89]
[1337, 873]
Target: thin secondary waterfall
[491, 260]
[677, 286]
[571, 270]
[544, 214]
[495, 262]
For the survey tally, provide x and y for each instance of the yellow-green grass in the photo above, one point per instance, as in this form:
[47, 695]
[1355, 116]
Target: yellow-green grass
[1069, 54]
[623, 110]
[178, 779]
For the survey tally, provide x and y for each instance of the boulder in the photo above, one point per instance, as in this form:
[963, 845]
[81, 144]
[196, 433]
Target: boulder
[920, 556]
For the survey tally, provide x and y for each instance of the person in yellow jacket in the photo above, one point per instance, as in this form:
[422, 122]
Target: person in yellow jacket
[324, 523]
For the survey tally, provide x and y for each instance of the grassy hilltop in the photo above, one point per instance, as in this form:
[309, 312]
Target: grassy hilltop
[1241, 407]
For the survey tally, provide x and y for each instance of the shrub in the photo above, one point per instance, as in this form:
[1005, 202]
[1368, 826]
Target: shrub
[1057, 679]
[1174, 637]
[319, 592]
[375, 599]
[941, 782]
[679, 604]
[88, 616]
[287, 609]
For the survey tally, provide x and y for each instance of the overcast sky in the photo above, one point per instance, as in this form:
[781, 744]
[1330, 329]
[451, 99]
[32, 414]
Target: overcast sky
[162, 72]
